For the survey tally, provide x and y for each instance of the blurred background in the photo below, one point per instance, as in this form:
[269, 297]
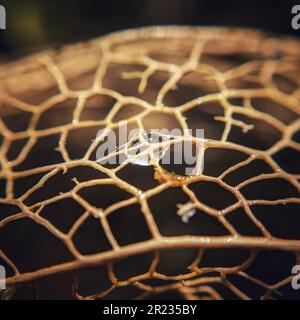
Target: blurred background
[36, 24]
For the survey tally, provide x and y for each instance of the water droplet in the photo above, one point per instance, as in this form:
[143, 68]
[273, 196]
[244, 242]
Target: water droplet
[188, 215]
[146, 147]
[186, 211]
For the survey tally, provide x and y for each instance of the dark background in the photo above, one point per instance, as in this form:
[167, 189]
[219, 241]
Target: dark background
[36, 24]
